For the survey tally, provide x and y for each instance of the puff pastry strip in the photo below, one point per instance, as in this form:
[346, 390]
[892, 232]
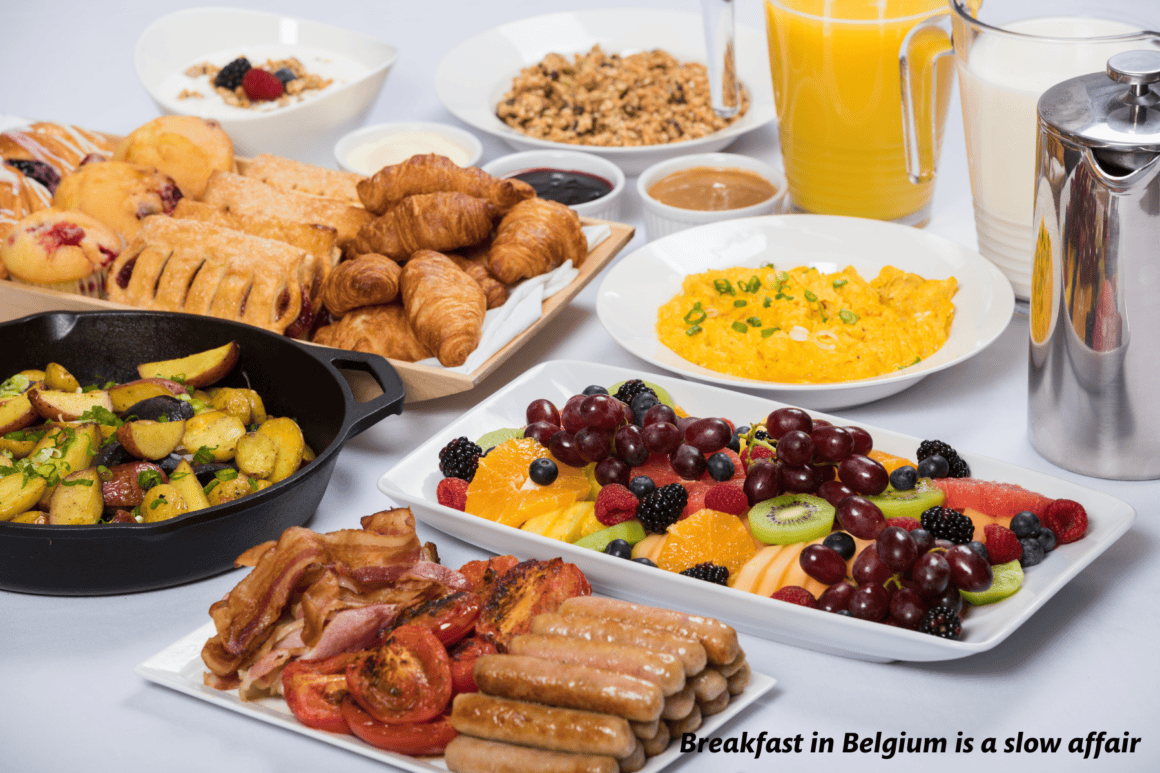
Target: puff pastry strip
[319, 240]
[288, 175]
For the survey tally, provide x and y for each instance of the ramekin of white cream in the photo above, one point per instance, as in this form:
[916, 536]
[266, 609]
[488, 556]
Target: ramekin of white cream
[367, 150]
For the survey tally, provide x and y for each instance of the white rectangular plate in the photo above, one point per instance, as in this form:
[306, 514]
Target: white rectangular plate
[179, 667]
[412, 482]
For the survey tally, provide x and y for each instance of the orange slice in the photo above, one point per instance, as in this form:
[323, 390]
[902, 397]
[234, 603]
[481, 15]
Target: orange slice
[707, 535]
[890, 461]
[503, 492]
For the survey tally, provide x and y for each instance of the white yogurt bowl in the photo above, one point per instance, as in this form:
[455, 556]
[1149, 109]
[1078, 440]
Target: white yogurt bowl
[607, 207]
[356, 152]
[662, 219]
[305, 130]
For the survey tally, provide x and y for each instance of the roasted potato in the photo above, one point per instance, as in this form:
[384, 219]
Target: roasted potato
[18, 493]
[161, 503]
[256, 454]
[287, 436]
[56, 376]
[185, 481]
[196, 370]
[77, 500]
[228, 489]
[77, 445]
[215, 431]
[152, 440]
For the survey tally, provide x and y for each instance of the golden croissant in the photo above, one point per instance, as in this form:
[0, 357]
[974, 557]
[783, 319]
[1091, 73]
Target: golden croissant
[535, 237]
[444, 305]
[432, 173]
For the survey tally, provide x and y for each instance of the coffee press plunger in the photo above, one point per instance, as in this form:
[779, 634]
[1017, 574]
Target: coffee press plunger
[1094, 379]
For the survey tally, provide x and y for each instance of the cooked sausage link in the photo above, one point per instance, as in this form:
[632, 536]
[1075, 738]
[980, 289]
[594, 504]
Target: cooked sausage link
[661, 668]
[720, 640]
[466, 754]
[545, 727]
[690, 652]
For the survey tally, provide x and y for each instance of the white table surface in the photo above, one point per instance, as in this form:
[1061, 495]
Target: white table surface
[71, 701]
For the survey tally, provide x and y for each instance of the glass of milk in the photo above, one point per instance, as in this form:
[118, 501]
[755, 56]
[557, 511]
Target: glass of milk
[1007, 55]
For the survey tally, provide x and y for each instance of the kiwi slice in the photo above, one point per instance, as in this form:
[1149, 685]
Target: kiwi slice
[630, 531]
[791, 518]
[497, 436]
[1007, 580]
[909, 504]
[660, 392]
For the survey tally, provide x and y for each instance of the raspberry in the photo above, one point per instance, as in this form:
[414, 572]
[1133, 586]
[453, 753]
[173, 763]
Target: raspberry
[904, 522]
[796, 594]
[727, 499]
[709, 572]
[1002, 544]
[755, 451]
[615, 504]
[1067, 519]
[452, 492]
[262, 85]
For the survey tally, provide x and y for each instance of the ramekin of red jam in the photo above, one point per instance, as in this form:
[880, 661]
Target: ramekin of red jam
[587, 183]
[567, 186]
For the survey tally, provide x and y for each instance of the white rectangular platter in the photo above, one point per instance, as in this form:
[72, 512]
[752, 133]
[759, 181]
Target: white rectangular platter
[180, 668]
[412, 482]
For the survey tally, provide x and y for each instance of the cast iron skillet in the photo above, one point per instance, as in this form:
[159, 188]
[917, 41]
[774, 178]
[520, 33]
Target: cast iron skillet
[302, 382]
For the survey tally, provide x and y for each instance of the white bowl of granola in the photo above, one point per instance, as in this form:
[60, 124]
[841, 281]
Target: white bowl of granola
[329, 77]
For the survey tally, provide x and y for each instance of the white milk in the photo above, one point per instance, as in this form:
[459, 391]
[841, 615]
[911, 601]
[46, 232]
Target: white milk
[1000, 86]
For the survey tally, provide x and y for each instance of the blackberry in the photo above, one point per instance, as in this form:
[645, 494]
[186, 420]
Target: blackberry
[630, 389]
[230, 76]
[959, 467]
[37, 170]
[459, 459]
[943, 622]
[709, 572]
[662, 508]
[948, 524]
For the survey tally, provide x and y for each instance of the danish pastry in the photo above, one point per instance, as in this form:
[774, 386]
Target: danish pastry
[288, 175]
[319, 240]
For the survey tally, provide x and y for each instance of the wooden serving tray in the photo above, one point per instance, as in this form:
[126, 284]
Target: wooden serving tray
[423, 382]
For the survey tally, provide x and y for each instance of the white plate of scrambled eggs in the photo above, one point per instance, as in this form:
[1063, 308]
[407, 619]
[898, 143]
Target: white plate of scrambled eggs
[818, 311]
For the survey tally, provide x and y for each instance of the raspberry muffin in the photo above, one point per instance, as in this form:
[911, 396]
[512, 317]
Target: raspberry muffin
[61, 250]
[185, 147]
[118, 194]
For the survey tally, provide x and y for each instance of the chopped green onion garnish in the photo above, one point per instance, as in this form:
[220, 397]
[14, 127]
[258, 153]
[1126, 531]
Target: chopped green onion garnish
[740, 327]
[810, 296]
[696, 314]
[739, 304]
[767, 332]
[840, 283]
[724, 286]
[754, 322]
[693, 330]
[848, 316]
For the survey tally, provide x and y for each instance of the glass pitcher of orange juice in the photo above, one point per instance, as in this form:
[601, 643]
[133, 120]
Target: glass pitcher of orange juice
[850, 77]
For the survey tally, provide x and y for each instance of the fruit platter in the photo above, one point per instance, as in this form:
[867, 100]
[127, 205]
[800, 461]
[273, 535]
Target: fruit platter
[681, 547]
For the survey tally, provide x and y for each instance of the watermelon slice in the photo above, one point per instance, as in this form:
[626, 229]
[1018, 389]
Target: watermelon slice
[999, 500]
[658, 468]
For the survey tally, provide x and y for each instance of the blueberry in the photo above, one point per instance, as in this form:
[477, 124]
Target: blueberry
[720, 466]
[1025, 524]
[844, 613]
[543, 471]
[641, 486]
[842, 542]
[645, 561]
[1046, 538]
[934, 466]
[1032, 552]
[979, 548]
[904, 478]
[595, 389]
[285, 75]
[734, 443]
[618, 548]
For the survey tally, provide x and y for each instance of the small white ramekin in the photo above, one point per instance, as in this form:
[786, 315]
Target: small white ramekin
[465, 139]
[662, 219]
[607, 207]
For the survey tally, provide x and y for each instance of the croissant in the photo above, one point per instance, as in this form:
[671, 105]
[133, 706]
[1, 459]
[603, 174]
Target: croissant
[428, 221]
[432, 173]
[493, 289]
[369, 280]
[444, 305]
[381, 330]
[535, 237]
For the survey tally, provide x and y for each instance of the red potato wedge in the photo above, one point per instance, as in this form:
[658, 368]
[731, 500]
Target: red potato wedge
[185, 481]
[17, 413]
[196, 370]
[126, 395]
[77, 444]
[152, 440]
[121, 485]
[77, 500]
[55, 405]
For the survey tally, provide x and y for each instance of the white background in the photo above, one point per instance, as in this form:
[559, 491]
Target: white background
[69, 699]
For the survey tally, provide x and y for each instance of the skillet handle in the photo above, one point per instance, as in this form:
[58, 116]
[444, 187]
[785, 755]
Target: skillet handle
[362, 415]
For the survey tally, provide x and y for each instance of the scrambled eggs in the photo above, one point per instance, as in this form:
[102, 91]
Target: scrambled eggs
[805, 327]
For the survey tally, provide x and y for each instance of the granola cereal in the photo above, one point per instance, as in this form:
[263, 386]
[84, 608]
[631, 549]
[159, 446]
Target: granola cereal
[302, 83]
[610, 100]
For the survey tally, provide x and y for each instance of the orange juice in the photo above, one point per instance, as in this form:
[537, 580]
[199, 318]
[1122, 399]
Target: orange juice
[835, 66]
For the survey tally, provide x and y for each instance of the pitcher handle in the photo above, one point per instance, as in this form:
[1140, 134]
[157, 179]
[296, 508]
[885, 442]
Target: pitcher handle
[925, 82]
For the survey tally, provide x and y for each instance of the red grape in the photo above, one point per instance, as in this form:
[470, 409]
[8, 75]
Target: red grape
[834, 491]
[661, 437]
[799, 480]
[602, 412]
[870, 602]
[683, 424]
[628, 444]
[868, 568]
[542, 410]
[570, 418]
[762, 482]
[783, 420]
[861, 517]
[863, 443]
[865, 475]
[825, 472]
[594, 444]
[795, 448]
[969, 570]
[949, 598]
[612, 470]
[688, 462]
[626, 413]
[923, 540]
[542, 431]
[563, 447]
[831, 444]
[836, 597]
[708, 435]
[657, 413]
[907, 607]
[822, 563]
[896, 549]
[931, 574]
